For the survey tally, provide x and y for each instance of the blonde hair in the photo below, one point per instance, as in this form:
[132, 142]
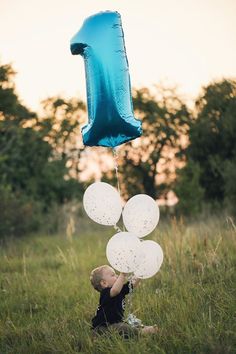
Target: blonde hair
[96, 277]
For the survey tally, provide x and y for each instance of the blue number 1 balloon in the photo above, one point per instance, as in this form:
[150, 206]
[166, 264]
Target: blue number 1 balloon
[110, 109]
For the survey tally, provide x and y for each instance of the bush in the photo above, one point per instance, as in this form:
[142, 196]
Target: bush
[188, 189]
[229, 174]
[18, 214]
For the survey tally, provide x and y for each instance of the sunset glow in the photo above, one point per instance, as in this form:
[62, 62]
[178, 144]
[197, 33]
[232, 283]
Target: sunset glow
[188, 43]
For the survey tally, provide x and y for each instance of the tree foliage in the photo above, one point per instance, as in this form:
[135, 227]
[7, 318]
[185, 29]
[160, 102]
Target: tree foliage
[40, 155]
[34, 153]
[189, 190]
[212, 138]
[147, 165]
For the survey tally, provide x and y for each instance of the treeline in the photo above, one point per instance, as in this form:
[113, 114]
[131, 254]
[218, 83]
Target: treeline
[34, 153]
[192, 153]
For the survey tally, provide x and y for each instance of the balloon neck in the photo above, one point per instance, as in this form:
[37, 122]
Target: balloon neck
[117, 228]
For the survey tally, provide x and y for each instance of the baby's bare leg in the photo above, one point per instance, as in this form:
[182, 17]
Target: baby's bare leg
[149, 329]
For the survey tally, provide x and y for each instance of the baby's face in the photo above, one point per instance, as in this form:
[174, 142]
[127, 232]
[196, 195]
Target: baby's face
[109, 277]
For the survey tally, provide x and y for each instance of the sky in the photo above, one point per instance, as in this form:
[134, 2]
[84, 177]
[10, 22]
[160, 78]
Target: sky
[187, 43]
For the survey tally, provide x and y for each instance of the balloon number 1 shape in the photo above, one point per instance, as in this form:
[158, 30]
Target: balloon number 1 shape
[100, 41]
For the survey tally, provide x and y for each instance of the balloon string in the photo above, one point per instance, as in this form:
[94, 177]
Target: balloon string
[132, 320]
[115, 156]
[130, 294]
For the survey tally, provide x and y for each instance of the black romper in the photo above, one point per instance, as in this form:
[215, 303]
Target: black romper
[110, 309]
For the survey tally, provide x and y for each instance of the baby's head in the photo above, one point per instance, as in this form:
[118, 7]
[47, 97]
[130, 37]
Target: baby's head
[103, 277]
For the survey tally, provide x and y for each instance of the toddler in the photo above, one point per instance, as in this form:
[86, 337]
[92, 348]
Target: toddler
[110, 312]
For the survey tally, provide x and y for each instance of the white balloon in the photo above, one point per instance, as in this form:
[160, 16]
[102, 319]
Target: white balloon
[122, 251]
[102, 203]
[141, 215]
[150, 261]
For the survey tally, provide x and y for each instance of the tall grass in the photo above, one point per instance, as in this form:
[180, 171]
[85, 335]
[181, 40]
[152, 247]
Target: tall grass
[46, 300]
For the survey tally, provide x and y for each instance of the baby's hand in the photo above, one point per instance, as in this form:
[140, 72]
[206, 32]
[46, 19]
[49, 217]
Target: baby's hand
[125, 274]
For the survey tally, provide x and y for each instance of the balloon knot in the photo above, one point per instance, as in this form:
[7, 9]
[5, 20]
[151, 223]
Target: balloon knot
[117, 228]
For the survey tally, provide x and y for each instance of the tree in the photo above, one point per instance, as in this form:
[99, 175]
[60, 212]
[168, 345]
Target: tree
[12, 135]
[189, 190]
[19, 213]
[213, 137]
[229, 175]
[212, 144]
[147, 165]
[33, 156]
[10, 106]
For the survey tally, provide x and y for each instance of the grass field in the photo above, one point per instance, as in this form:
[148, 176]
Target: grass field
[46, 300]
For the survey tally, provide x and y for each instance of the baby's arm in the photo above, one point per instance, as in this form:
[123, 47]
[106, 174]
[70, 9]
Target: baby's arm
[118, 285]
